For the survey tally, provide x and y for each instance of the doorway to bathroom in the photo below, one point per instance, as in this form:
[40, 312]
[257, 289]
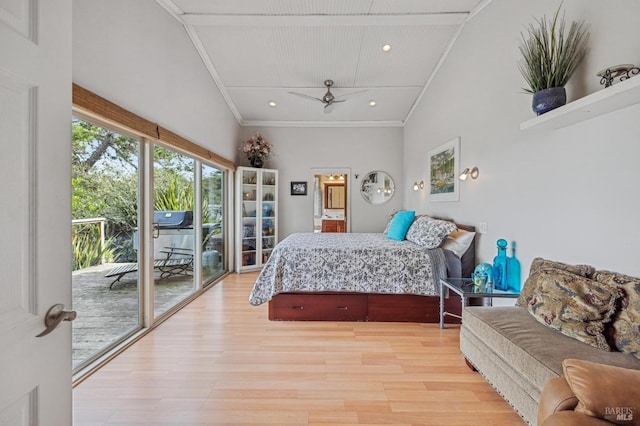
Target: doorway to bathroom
[331, 200]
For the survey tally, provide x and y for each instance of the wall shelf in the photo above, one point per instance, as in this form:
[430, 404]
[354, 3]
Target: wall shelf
[615, 97]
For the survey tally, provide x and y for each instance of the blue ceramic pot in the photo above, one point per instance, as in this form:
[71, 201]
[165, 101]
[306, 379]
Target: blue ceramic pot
[256, 162]
[547, 99]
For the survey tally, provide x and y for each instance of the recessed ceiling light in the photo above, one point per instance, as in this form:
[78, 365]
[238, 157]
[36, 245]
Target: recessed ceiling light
[372, 103]
[386, 47]
[272, 104]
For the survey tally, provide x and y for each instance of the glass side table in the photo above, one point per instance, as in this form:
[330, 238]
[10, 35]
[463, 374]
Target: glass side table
[465, 288]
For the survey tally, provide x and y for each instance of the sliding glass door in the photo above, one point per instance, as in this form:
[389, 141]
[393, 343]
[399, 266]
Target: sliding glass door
[105, 221]
[213, 224]
[173, 228]
[187, 204]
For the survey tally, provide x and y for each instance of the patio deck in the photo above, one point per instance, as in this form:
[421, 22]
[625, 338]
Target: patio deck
[105, 315]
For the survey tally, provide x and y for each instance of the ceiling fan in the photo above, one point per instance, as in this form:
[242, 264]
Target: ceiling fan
[328, 99]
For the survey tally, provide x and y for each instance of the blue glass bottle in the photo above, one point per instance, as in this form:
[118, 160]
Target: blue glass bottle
[513, 270]
[500, 266]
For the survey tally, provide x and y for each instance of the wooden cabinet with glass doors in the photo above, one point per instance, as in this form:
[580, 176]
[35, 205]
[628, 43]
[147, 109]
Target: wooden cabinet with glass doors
[257, 224]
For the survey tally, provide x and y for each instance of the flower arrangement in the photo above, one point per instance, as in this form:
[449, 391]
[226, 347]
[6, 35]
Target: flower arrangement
[256, 148]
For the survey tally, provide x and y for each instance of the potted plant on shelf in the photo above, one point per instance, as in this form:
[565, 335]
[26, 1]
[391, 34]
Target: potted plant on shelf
[549, 58]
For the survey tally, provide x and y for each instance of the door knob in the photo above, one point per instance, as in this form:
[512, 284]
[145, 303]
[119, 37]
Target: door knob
[55, 315]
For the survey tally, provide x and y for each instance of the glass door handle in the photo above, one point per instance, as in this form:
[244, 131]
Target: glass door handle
[55, 315]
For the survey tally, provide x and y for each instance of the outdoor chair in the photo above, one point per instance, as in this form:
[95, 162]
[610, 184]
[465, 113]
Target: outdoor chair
[177, 261]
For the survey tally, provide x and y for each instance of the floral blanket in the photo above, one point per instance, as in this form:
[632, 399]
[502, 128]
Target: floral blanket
[349, 262]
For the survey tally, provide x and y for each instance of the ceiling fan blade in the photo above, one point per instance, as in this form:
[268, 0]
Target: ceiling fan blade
[302, 95]
[350, 94]
[328, 108]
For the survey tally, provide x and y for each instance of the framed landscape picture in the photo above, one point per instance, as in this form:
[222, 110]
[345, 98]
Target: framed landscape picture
[444, 164]
[298, 188]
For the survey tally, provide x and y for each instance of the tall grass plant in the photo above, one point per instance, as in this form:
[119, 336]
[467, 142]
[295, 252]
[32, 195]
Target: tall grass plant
[550, 54]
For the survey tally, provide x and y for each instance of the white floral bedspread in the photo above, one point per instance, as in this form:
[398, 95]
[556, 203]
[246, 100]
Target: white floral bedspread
[350, 262]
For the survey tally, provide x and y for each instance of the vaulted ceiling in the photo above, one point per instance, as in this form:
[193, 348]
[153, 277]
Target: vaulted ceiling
[259, 51]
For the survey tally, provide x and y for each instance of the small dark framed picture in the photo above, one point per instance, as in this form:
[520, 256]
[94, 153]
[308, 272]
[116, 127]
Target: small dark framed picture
[298, 188]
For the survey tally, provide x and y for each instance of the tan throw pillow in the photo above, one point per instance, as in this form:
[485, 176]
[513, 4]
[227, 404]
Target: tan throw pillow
[625, 327]
[527, 290]
[539, 264]
[604, 391]
[574, 305]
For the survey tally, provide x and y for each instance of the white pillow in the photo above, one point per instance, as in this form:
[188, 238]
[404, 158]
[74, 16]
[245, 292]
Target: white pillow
[458, 241]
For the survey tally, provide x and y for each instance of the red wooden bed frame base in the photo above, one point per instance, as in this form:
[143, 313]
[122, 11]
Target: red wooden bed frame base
[330, 306]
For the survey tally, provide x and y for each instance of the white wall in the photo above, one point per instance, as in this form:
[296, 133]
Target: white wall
[135, 54]
[569, 194]
[297, 150]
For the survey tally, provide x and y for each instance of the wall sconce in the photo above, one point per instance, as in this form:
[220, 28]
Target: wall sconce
[469, 172]
[418, 185]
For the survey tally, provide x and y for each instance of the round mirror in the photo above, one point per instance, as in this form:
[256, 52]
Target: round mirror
[377, 187]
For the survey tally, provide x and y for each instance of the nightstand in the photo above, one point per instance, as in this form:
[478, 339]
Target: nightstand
[465, 288]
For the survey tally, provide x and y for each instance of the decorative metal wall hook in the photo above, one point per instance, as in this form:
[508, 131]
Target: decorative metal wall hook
[630, 73]
[622, 71]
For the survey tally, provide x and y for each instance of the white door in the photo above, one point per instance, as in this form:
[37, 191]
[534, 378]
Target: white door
[35, 204]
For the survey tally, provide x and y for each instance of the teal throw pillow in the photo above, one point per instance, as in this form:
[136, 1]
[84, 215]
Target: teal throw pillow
[400, 224]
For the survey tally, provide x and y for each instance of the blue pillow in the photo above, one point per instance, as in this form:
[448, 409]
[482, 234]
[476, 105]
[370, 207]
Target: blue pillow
[400, 224]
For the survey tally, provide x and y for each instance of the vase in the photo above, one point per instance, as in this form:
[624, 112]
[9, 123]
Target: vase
[547, 99]
[500, 266]
[513, 270]
[256, 162]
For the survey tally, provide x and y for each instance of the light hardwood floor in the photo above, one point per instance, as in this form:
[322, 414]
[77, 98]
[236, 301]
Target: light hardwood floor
[220, 361]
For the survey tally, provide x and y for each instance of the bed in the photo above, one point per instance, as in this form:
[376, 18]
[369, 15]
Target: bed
[359, 277]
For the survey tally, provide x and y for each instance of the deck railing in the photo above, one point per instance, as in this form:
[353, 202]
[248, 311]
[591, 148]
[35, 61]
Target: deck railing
[100, 221]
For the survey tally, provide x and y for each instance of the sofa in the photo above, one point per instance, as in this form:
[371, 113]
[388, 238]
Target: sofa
[564, 311]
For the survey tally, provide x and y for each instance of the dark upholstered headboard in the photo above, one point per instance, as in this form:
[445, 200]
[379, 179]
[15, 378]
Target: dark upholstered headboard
[469, 257]
[468, 260]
